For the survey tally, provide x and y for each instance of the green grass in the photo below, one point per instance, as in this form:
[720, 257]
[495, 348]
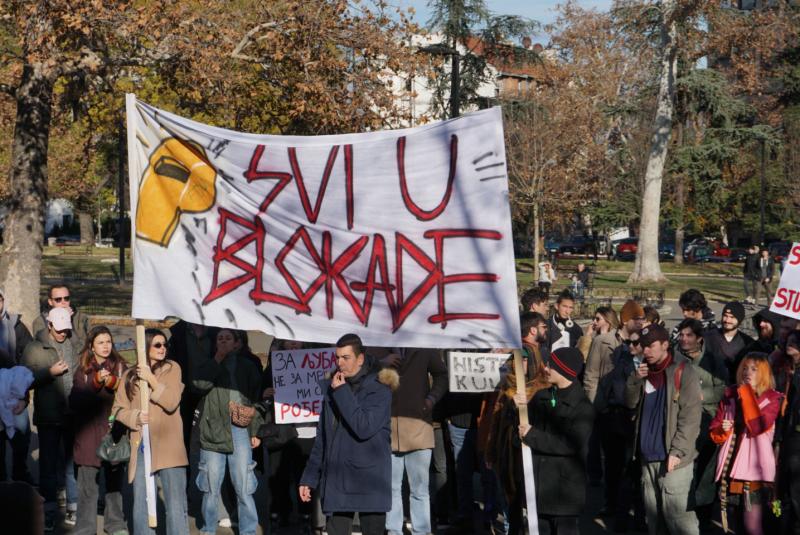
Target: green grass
[734, 269]
[716, 281]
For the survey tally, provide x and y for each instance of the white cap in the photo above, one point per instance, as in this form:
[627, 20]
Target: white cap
[60, 318]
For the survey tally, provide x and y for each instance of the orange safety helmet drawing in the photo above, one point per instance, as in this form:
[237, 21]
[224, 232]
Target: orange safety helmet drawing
[179, 179]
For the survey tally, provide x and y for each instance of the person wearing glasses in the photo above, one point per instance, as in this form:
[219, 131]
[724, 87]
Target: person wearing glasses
[604, 321]
[52, 357]
[168, 454]
[59, 296]
[610, 351]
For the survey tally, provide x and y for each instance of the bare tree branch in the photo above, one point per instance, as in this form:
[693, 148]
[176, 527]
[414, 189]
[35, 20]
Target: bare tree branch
[249, 38]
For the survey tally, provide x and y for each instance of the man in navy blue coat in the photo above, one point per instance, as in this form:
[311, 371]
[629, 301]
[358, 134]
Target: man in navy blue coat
[351, 462]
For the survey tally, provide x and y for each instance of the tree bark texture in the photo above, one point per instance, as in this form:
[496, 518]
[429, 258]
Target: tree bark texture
[680, 207]
[21, 258]
[87, 228]
[536, 243]
[647, 268]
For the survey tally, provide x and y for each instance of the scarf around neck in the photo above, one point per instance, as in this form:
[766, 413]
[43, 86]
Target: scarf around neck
[657, 373]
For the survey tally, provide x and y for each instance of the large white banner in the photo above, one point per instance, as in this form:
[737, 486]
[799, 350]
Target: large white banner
[401, 236]
[787, 296]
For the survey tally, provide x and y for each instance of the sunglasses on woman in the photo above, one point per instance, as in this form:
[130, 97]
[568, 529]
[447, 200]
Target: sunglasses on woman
[59, 299]
[635, 342]
[159, 345]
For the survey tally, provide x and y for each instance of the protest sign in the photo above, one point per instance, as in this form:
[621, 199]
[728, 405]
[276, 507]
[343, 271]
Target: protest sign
[296, 375]
[402, 237]
[787, 297]
[475, 372]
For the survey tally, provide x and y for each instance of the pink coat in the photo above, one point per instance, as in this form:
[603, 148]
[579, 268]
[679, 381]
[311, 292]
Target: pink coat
[755, 459]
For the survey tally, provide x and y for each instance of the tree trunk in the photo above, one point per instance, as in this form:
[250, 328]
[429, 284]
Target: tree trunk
[87, 228]
[646, 267]
[536, 232]
[21, 258]
[680, 204]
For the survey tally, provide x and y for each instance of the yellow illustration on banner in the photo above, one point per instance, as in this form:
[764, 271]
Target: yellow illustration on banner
[178, 179]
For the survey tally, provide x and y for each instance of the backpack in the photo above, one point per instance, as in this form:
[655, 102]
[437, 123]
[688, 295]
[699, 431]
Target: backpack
[678, 380]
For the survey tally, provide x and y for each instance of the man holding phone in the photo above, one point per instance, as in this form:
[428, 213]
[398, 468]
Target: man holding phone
[52, 357]
[351, 462]
[667, 397]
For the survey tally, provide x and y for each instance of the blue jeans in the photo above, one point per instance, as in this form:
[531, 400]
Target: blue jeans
[51, 439]
[173, 484]
[211, 472]
[418, 464]
[577, 290]
[463, 441]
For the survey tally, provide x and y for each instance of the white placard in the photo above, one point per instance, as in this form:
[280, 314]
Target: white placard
[296, 375]
[787, 297]
[402, 237]
[475, 372]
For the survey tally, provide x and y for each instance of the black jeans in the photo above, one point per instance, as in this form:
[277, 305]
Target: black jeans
[558, 525]
[51, 438]
[789, 468]
[342, 523]
[286, 466]
[20, 445]
[615, 430]
[440, 490]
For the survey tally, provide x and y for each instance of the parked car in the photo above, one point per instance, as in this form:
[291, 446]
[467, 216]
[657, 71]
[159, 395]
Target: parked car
[700, 253]
[577, 245]
[722, 250]
[695, 242]
[666, 251]
[551, 245]
[738, 254]
[779, 249]
[68, 239]
[626, 249]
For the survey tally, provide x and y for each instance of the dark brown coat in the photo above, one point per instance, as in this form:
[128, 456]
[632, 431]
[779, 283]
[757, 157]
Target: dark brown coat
[91, 405]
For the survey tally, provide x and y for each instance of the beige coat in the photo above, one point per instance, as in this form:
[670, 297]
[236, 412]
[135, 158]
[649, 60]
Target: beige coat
[166, 427]
[600, 362]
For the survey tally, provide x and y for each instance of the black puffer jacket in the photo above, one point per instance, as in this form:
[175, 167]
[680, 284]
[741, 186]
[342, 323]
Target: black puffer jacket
[559, 438]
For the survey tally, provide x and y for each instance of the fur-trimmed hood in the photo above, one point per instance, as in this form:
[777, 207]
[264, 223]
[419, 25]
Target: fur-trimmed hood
[390, 378]
[386, 376]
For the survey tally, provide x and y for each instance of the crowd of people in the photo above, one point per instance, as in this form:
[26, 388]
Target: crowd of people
[680, 428]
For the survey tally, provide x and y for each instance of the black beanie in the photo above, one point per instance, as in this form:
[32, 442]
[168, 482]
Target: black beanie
[736, 309]
[567, 361]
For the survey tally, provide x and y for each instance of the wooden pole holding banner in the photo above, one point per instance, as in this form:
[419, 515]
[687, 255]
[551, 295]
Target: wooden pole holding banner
[144, 395]
[527, 455]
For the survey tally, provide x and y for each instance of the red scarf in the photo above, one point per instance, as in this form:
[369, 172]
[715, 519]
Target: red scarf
[657, 373]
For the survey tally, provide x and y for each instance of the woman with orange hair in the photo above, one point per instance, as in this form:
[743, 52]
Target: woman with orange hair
[744, 427]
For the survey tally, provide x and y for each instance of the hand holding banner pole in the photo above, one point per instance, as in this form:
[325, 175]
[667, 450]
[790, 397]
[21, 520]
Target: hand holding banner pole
[527, 455]
[144, 395]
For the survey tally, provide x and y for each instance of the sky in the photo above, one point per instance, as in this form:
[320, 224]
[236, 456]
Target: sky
[542, 11]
